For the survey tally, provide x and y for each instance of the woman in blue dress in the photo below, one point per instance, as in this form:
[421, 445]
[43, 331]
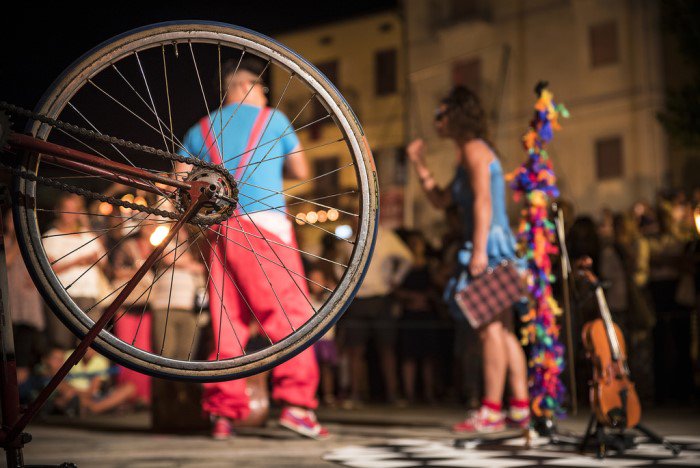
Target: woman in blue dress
[478, 190]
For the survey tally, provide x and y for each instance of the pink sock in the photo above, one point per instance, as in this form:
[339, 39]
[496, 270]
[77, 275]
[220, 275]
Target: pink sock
[520, 404]
[491, 405]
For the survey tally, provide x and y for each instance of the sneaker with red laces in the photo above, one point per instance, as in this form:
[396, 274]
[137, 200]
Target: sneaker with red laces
[482, 420]
[303, 422]
[518, 418]
[222, 428]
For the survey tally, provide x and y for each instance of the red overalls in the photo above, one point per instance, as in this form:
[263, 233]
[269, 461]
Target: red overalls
[244, 286]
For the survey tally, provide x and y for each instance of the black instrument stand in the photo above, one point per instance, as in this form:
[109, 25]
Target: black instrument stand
[619, 439]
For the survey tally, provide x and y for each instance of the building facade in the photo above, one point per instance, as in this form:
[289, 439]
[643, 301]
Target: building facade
[601, 58]
[364, 59]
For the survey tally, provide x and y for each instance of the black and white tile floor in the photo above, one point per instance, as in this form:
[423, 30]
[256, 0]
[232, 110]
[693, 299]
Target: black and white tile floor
[511, 453]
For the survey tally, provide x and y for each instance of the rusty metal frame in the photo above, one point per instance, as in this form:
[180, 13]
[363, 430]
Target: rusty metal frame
[14, 421]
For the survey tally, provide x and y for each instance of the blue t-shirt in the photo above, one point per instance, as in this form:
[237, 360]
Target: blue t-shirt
[260, 185]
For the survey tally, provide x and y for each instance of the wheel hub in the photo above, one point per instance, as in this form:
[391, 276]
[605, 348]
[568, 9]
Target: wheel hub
[224, 201]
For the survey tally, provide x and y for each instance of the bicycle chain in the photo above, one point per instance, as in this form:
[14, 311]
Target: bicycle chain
[90, 134]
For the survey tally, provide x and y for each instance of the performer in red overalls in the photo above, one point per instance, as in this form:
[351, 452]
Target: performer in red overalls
[262, 274]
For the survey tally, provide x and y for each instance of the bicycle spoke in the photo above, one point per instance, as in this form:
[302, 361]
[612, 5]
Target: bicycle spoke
[204, 98]
[95, 238]
[303, 200]
[147, 182]
[233, 114]
[303, 221]
[150, 96]
[274, 141]
[221, 305]
[119, 288]
[145, 306]
[135, 91]
[247, 249]
[75, 109]
[156, 278]
[310, 200]
[287, 205]
[155, 223]
[110, 250]
[144, 92]
[221, 104]
[285, 191]
[240, 293]
[293, 152]
[282, 244]
[267, 278]
[221, 95]
[170, 111]
[267, 124]
[170, 294]
[201, 307]
[84, 213]
[221, 298]
[278, 258]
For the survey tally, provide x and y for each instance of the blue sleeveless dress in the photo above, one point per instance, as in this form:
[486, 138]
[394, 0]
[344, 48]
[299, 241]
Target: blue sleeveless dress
[500, 244]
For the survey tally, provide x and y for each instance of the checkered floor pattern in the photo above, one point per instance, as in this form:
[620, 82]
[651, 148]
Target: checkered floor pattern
[409, 453]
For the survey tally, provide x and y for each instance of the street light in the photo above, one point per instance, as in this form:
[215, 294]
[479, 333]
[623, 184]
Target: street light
[696, 215]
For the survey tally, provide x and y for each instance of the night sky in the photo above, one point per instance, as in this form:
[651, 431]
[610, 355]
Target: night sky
[39, 43]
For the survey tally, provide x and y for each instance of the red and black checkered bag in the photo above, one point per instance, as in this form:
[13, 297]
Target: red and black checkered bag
[489, 294]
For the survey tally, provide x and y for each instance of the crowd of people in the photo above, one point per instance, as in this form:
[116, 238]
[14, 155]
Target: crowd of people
[401, 341]
[645, 256]
[94, 256]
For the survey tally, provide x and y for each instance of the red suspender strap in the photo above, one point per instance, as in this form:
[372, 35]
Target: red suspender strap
[253, 140]
[209, 141]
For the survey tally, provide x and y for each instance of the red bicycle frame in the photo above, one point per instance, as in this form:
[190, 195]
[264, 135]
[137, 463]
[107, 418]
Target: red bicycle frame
[12, 439]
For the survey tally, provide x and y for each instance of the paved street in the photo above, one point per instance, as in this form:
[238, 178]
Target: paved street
[121, 441]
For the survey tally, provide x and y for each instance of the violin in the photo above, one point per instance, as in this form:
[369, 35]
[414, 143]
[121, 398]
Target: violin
[613, 395]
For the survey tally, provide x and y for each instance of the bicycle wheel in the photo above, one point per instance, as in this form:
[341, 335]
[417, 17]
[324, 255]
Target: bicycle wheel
[148, 86]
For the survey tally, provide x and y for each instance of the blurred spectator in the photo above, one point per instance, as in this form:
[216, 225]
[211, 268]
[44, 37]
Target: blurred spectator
[26, 307]
[174, 322]
[77, 256]
[64, 399]
[672, 367]
[336, 251]
[583, 242]
[325, 348]
[371, 315]
[418, 337]
[132, 322]
[646, 219]
[605, 226]
[635, 315]
[466, 350]
[90, 380]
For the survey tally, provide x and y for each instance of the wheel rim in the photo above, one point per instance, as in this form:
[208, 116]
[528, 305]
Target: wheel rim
[143, 40]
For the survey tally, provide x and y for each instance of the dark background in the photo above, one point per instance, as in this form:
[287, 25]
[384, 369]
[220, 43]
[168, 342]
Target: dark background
[38, 43]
